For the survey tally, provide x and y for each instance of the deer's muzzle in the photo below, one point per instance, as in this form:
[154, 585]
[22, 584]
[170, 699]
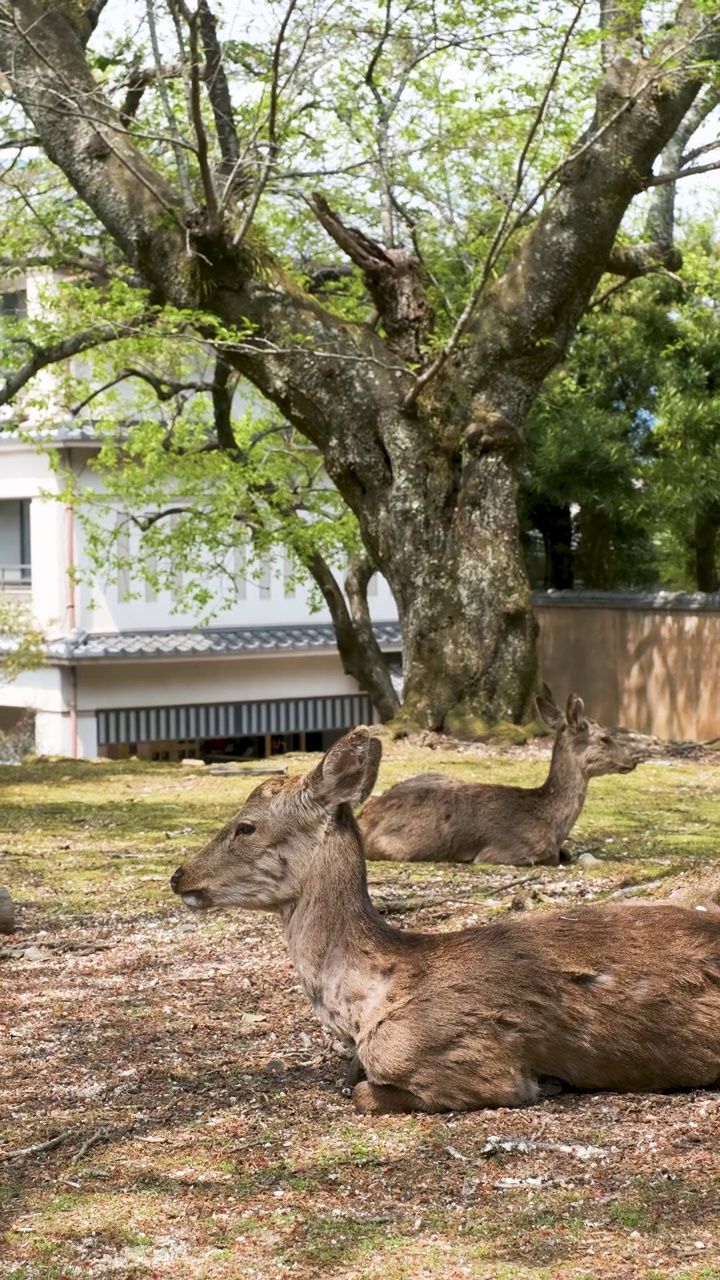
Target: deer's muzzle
[196, 898]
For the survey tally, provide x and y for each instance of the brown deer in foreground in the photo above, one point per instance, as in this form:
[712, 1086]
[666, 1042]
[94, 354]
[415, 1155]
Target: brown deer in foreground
[621, 997]
[431, 818]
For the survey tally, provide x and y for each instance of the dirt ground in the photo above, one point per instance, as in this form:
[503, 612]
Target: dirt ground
[186, 1103]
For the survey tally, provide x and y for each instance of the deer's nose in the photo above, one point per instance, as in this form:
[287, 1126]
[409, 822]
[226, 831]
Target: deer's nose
[175, 880]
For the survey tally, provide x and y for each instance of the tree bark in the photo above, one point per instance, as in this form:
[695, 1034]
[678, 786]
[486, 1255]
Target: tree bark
[360, 654]
[434, 488]
[555, 524]
[707, 524]
[596, 553]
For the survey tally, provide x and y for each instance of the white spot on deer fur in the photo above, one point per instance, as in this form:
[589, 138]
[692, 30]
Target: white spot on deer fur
[605, 980]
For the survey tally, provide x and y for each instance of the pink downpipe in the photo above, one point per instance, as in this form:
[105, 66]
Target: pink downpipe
[71, 618]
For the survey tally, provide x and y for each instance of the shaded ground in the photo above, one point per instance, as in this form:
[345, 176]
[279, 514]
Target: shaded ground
[202, 1131]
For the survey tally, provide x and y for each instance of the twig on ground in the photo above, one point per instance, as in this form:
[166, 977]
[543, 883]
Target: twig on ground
[98, 1136]
[37, 1147]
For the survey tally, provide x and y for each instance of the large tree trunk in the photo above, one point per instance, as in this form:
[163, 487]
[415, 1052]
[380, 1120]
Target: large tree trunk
[432, 477]
[450, 547]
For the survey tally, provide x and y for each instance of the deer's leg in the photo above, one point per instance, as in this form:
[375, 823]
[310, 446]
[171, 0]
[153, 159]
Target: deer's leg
[355, 1073]
[384, 1099]
[519, 855]
[510, 857]
[452, 1095]
[550, 1086]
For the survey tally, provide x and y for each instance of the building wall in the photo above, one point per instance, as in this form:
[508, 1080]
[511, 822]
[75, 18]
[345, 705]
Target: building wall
[27, 474]
[652, 669]
[49, 692]
[108, 605]
[58, 604]
[156, 683]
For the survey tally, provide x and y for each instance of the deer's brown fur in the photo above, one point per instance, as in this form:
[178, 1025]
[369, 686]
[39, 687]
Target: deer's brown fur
[431, 818]
[622, 997]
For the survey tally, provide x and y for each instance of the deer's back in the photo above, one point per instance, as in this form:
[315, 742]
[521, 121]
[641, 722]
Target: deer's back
[433, 818]
[602, 997]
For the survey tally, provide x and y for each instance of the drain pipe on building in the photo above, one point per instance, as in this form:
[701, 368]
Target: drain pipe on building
[72, 622]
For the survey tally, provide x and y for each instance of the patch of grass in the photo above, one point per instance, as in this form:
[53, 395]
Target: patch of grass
[629, 1216]
[128, 1021]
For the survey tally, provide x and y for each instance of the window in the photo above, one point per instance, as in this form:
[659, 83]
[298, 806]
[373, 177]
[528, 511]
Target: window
[14, 304]
[15, 557]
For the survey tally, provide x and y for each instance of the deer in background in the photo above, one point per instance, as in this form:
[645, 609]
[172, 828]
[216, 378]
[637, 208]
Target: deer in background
[431, 818]
[624, 998]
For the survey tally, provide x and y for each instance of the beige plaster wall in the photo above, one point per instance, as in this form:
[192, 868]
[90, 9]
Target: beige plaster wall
[657, 672]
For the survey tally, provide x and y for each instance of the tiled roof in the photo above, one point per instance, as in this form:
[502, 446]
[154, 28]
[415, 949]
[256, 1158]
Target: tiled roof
[62, 433]
[646, 601]
[80, 646]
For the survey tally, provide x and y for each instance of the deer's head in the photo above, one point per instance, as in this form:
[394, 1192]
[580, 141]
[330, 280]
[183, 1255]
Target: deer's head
[596, 750]
[262, 857]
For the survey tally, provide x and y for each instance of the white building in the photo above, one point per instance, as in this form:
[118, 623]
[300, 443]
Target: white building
[129, 676]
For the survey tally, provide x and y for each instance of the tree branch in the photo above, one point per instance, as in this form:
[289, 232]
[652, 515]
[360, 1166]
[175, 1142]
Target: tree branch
[180, 159]
[504, 231]
[635, 260]
[37, 1147]
[43, 58]
[360, 653]
[621, 32]
[530, 313]
[222, 397]
[92, 13]
[138, 82]
[203, 154]
[393, 280]
[164, 389]
[273, 144]
[663, 178]
[54, 352]
[301, 356]
[218, 90]
[143, 523]
[660, 218]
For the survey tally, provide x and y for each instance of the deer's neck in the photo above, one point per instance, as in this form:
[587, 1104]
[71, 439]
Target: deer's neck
[564, 789]
[337, 941]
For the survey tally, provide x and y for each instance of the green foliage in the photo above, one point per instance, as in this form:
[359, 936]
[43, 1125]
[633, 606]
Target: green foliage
[179, 509]
[22, 645]
[588, 437]
[685, 473]
[627, 431]
[429, 126]
[411, 120]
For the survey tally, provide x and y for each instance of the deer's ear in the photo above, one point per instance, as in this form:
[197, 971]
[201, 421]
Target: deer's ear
[371, 769]
[575, 712]
[347, 773]
[549, 713]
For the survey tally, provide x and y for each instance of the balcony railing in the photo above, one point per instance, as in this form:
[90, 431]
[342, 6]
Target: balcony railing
[15, 577]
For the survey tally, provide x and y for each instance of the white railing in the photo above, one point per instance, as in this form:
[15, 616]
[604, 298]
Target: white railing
[15, 577]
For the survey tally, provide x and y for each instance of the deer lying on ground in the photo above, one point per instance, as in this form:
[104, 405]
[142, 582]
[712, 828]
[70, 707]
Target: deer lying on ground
[431, 818]
[624, 997]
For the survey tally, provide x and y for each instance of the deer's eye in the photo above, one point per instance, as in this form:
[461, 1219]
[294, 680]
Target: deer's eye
[244, 828]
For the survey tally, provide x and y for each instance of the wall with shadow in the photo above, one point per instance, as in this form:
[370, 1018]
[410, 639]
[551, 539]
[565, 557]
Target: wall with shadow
[650, 662]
